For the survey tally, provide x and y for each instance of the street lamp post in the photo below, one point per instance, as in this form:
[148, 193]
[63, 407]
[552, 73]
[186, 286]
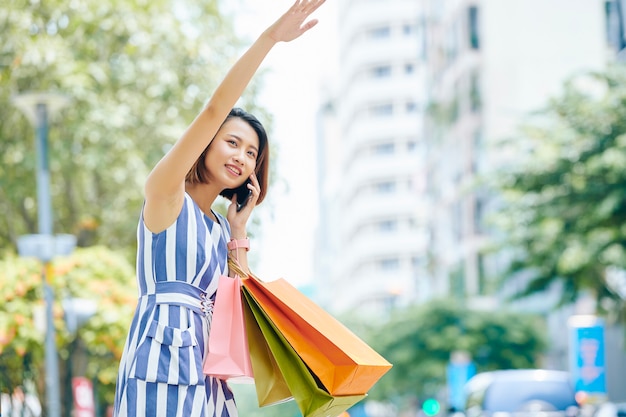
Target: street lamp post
[44, 246]
[79, 390]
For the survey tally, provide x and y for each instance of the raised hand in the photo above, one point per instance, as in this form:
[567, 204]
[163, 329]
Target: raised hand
[292, 24]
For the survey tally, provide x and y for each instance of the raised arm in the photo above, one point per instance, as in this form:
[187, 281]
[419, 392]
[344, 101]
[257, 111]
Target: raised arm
[165, 186]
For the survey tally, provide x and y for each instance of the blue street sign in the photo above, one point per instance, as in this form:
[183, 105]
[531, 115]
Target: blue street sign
[587, 359]
[458, 374]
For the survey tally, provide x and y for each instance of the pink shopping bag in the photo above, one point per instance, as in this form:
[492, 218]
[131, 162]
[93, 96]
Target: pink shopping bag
[228, 357]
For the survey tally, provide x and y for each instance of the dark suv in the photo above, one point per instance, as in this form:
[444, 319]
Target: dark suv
[520, 393]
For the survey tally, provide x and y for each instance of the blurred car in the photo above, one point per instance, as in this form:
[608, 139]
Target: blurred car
[521, 393]
[610, 409]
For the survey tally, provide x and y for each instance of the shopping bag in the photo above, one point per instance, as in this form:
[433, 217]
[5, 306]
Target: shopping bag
[270, 384]
[228, 354]
[312, 399]
[343, 363]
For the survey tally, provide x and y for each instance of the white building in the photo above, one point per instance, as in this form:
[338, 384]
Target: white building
[425, 88]
[491, 63]
[371, 237]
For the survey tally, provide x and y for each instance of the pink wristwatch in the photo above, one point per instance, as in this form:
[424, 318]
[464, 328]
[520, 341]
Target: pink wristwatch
[239, 243]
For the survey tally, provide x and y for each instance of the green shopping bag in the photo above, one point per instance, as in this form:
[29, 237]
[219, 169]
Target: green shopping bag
[312, 400]
[273, 389]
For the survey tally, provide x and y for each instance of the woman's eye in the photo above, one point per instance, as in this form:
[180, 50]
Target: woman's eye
[252, 154]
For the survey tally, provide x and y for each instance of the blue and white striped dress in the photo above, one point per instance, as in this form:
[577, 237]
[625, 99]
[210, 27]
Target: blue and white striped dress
[177, 273]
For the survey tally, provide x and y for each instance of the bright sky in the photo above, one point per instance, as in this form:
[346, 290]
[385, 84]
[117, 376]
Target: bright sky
[295, 72]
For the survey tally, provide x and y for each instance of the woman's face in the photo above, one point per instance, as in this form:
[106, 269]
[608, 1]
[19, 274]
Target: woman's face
[231, 157]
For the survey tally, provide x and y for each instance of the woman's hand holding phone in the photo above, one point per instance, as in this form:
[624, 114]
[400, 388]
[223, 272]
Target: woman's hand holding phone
[244, 198]
[241, 205]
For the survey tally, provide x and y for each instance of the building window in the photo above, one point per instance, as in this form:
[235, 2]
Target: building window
[452, 43]
[474, 93]
[478, 151]
[418, 261]
[457, 221]
[385, 187]
[411, 106]
[611, 19]
[409, 68]
[389, 264]
[472, 25]
[408, 29]
[479, 214]
[379, 32]
[387, 226]
[457, 281]
[615, 19]
[482, 278]
[381, 71]
[384, 149]
[381, 109]
[455, 105]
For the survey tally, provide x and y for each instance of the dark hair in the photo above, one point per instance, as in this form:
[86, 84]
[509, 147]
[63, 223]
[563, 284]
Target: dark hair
[198, 172]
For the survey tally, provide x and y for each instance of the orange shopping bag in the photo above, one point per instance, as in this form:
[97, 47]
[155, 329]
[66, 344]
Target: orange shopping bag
[312, 399]
[344, 364]
[229, 355]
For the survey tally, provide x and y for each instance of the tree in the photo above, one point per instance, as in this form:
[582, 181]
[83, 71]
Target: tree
[21, 345]
[419, 341]
[564, 202]
[137, 73]
[95, 273]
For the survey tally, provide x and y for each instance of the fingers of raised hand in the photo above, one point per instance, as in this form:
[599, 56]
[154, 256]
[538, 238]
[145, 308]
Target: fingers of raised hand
[292, 24]
[307, 6]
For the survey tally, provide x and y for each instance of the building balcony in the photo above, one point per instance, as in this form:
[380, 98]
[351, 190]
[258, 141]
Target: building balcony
[365, 53]
[364, 172]
[355, 14]
[363, 131]
[364, 93]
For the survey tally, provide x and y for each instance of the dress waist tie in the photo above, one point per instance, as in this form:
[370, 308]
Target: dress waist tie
[183, 294]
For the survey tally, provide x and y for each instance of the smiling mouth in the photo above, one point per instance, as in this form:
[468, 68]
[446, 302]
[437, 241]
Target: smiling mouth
[233, 169]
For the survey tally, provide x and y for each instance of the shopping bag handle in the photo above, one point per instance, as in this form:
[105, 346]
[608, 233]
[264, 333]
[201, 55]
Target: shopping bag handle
[235, 267]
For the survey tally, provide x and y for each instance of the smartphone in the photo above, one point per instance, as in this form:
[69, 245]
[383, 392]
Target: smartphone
[243, 197]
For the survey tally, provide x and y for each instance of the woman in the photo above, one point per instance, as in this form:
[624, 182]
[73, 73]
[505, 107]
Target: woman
[183, 245]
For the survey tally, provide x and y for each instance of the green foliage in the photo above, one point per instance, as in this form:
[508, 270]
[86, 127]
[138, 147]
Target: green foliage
[95, 273]
[21, 344]
[137, 72]
[564, 202]
[419, 341]
[104, 276]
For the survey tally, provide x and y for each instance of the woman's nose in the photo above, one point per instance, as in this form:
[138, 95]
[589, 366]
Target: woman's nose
[239, 157]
